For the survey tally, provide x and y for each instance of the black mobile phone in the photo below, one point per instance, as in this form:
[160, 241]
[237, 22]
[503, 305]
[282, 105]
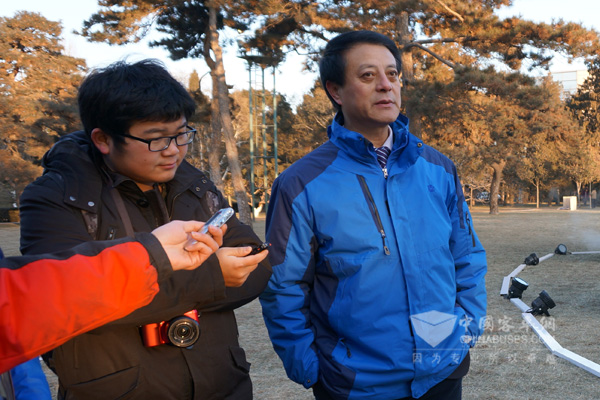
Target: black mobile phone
[259, 248]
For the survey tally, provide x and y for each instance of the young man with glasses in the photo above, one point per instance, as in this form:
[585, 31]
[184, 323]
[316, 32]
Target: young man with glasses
[126, 173]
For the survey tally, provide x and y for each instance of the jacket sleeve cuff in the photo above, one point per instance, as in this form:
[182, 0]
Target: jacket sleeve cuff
[158, 256]
[310, 380]
[214, 268]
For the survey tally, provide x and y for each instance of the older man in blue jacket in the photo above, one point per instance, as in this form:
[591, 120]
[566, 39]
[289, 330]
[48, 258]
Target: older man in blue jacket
[378, 287]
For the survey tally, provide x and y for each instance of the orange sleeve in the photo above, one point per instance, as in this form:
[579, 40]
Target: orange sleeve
[47, 301]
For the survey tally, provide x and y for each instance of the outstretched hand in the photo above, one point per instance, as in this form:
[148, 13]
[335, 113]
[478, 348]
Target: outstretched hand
[175, 239]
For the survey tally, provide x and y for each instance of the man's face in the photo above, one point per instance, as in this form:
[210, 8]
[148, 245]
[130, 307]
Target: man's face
[134, 160]
[370, 97]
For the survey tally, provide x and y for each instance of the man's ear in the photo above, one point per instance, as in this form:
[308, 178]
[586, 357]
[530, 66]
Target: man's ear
[101, 140]
[333, 89]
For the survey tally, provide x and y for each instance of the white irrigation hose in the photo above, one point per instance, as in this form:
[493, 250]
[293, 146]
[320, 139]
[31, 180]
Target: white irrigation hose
[542, 333]
[506, 280]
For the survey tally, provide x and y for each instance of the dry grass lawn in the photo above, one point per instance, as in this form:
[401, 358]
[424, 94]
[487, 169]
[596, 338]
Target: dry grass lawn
[509, 362]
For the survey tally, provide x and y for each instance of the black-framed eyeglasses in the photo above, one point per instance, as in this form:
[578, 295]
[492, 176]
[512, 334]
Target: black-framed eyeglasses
[162, 143]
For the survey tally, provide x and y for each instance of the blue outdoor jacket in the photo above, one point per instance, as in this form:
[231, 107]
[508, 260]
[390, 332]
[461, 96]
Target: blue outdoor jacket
[378, 285]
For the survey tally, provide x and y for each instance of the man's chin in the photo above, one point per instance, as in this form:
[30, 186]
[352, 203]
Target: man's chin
[165, 179]
[388, 116]
[388, 120]
[164, 176]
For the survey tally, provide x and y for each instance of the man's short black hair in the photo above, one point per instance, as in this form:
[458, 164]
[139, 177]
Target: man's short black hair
[332, 66]
[115, 97]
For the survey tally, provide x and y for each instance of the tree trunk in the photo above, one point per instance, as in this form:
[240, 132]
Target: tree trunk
[408, 71]
[498, 167]
[215, 139]
[222, 93]
[537, 194]
[471, 199]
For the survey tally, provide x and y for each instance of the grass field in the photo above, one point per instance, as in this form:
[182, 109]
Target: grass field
[509, 362]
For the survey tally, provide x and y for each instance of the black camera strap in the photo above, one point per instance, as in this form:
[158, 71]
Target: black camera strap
[121, 209]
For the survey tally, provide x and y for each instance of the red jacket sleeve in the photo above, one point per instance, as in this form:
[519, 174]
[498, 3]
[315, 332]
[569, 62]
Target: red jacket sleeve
[48, 299]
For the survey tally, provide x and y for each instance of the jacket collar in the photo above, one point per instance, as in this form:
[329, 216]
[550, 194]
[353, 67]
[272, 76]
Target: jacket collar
[71, 159]
[406, 147]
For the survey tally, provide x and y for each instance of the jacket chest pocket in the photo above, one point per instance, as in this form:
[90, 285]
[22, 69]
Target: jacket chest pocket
[430, 224]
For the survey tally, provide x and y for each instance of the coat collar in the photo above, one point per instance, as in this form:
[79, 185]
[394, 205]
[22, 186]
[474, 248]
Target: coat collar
[406, 147]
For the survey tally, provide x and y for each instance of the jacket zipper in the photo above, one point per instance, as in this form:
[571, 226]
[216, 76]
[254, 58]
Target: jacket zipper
[172, 206]
[348, 352]
[374, 212]
[467, 217]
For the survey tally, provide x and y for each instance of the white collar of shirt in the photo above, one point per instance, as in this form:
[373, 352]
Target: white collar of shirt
[390, 139]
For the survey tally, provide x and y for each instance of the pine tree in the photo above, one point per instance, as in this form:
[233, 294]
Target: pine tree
[448, 48]
[584, 166]
[38, 97]
[585, 104]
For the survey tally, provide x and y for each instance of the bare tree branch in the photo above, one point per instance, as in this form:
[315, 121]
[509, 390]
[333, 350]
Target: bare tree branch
[437, 57]
[457, 15]
[460, 39]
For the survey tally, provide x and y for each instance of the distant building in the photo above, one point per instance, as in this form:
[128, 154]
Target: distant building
[570, 80]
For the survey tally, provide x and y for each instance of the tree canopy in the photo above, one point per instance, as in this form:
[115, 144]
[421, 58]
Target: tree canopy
[461, 66]
[585, 104]
[464, 87]
[38, 88]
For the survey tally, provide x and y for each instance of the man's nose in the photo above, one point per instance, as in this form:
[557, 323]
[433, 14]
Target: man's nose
[384, 83]
[172, 148]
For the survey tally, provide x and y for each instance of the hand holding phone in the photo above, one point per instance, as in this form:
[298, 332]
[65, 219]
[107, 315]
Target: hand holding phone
[261, 247]
[217, 220]
[237, 264]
